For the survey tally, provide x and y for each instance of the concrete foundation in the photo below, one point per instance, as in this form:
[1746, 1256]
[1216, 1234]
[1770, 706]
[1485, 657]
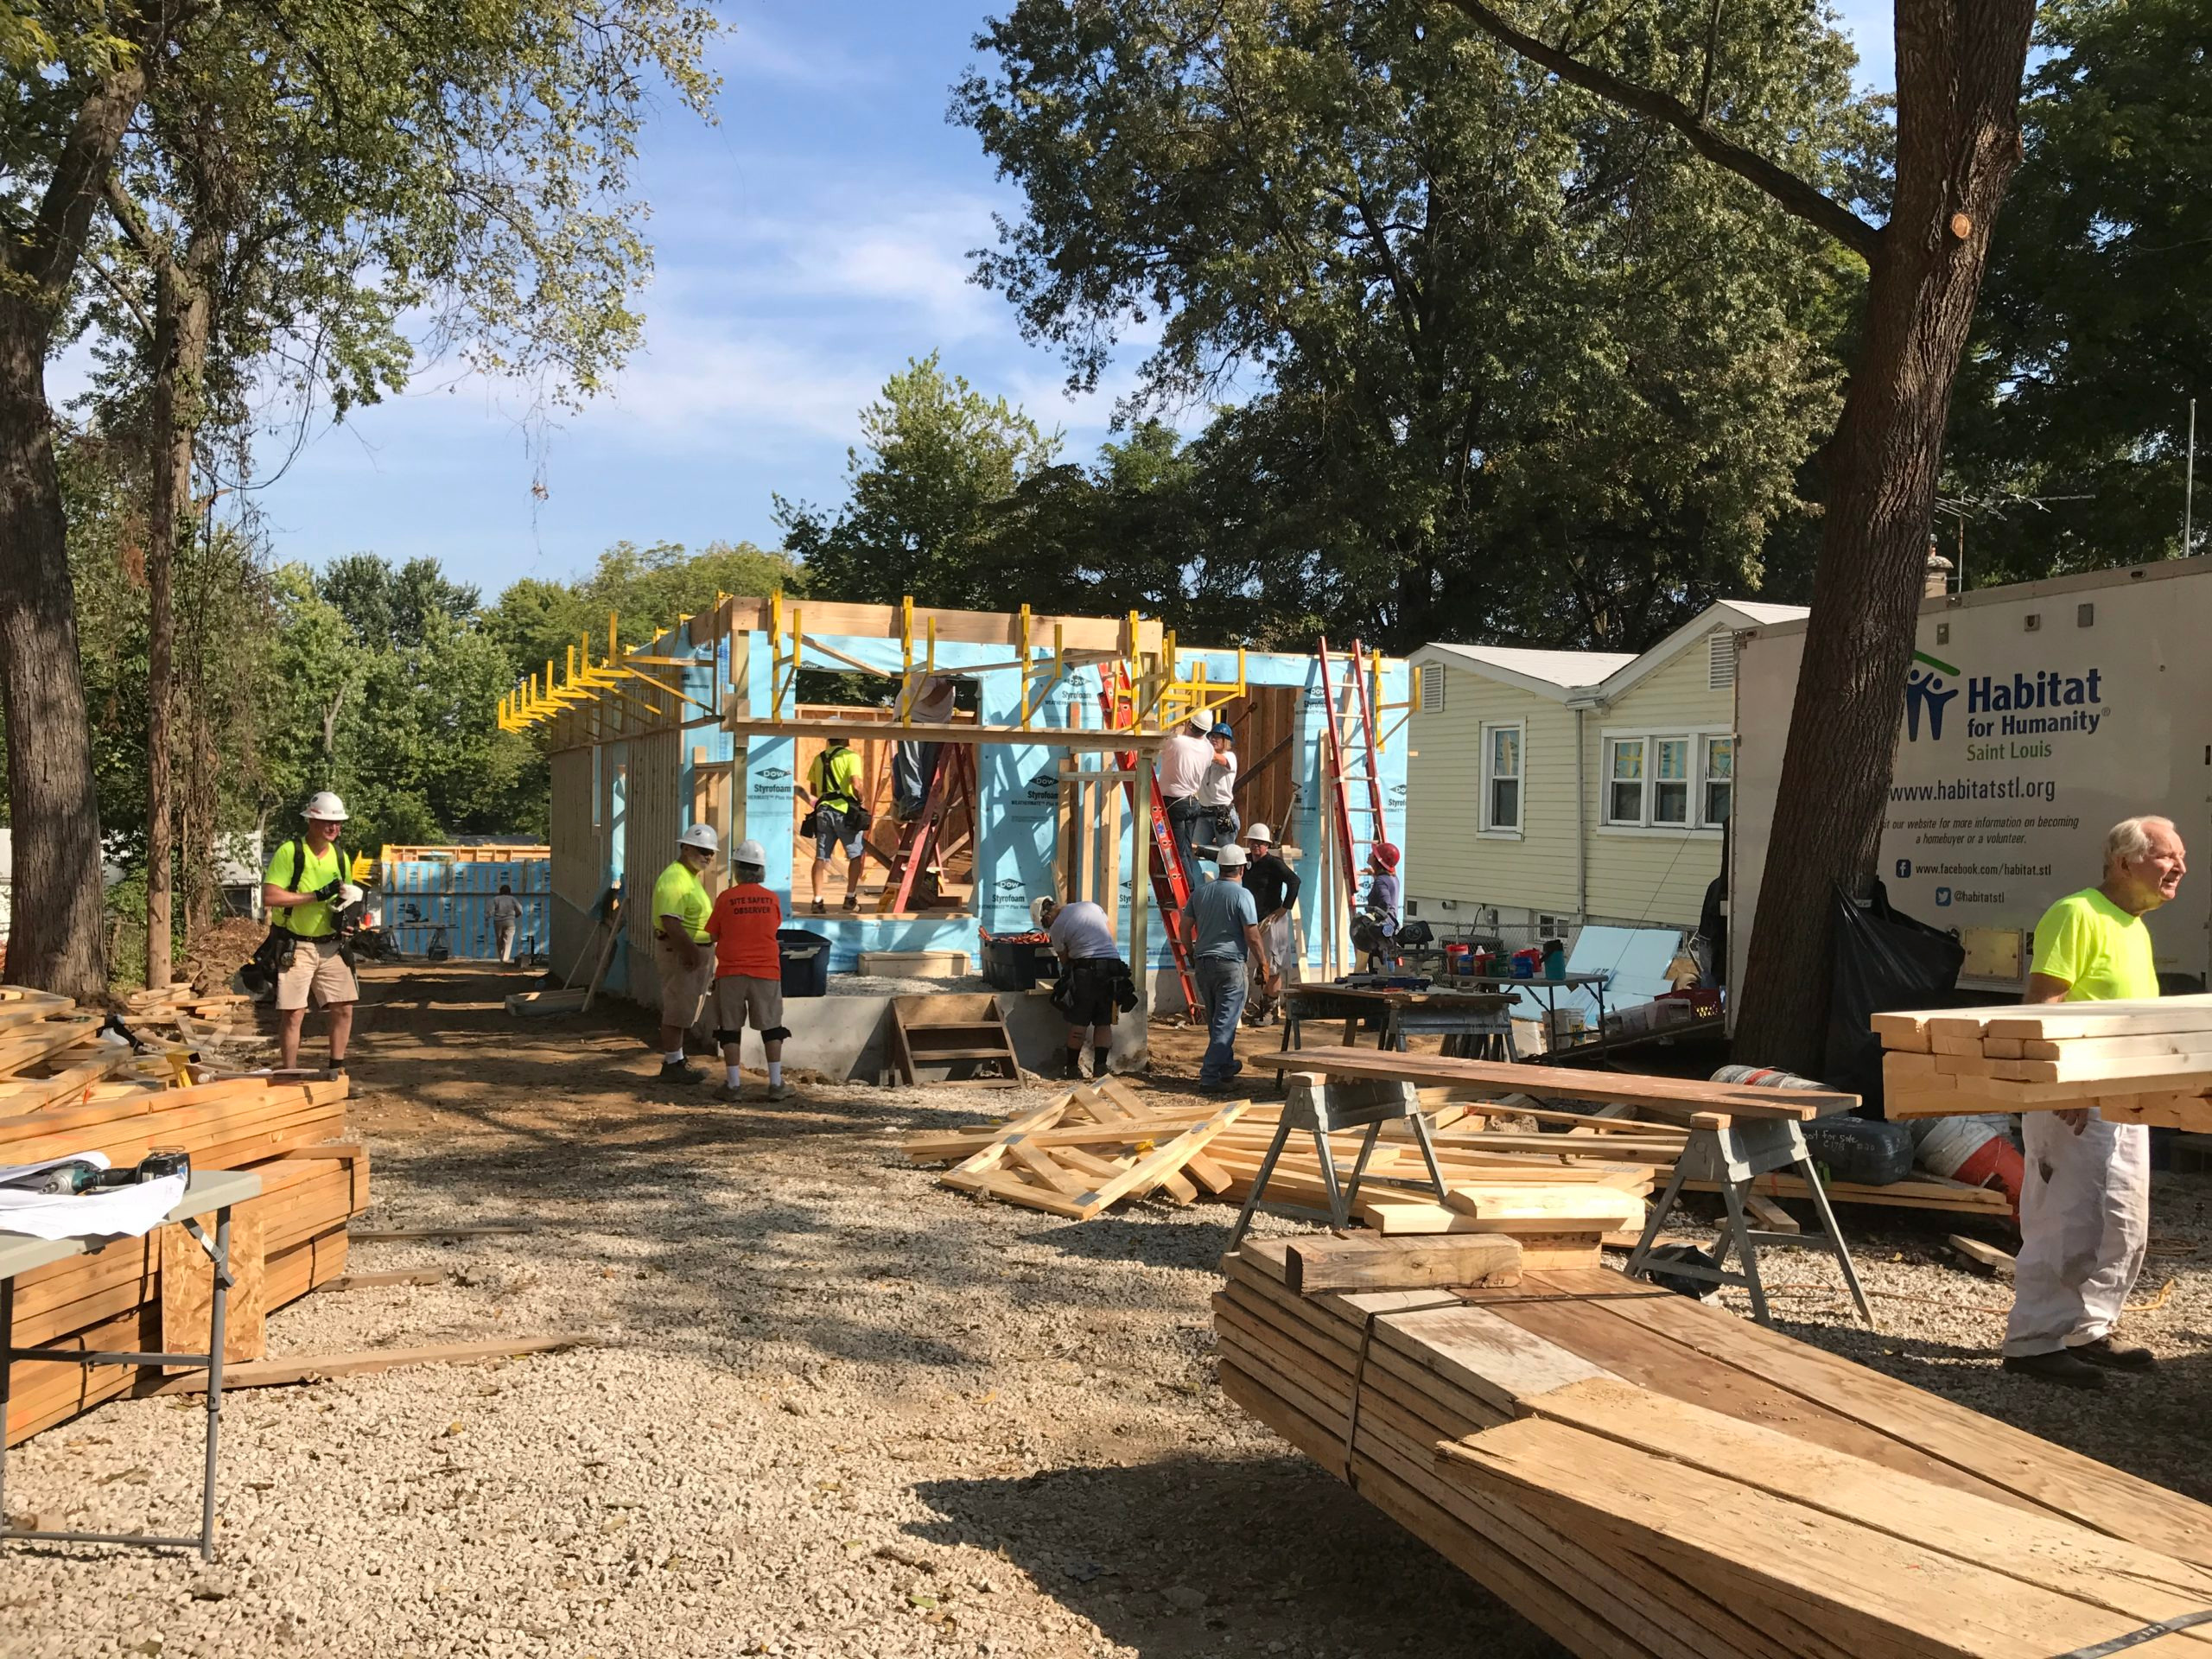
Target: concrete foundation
[849, 1038]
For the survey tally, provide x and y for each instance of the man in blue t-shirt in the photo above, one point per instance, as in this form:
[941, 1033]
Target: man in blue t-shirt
[1223, 927]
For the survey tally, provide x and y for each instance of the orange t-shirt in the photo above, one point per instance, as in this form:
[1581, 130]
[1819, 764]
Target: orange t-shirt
[743, 925]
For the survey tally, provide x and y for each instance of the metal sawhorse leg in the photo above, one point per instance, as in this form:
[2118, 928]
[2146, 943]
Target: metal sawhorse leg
[1322, 1109]
[1732, 1157]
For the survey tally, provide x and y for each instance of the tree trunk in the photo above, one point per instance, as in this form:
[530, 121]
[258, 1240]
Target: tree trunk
[57, 941]
[1959, 69]
[181, 324]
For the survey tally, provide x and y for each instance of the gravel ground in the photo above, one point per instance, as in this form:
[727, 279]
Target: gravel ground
[838, 1410]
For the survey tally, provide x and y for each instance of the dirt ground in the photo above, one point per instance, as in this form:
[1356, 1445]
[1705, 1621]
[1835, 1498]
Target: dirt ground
[833, 1410]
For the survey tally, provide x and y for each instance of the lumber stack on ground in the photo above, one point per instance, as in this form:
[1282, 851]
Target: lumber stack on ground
[1646, 1477]
[2148, 1061]
[287, 1241]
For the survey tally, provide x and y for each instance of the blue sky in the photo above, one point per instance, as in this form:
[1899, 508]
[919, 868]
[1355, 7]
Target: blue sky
[806, 246]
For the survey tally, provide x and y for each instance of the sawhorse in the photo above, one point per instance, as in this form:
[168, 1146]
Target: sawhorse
[1731, 1154]
[1322, 1109]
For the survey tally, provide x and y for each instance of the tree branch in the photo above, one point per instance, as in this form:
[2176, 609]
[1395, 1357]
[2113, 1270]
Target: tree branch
[151, 247]
[1798, 196]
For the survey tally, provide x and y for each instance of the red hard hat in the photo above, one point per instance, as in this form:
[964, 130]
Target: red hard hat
[1386, 854]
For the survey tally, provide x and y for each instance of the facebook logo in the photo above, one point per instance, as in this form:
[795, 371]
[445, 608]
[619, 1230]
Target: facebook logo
[1904, 869]
[1943, 898]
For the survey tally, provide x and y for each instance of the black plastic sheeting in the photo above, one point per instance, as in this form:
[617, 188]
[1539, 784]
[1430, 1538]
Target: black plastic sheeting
[1884, 960]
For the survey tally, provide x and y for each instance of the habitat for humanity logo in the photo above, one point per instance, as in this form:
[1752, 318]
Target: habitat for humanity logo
[1926, 694]
[2020, 705]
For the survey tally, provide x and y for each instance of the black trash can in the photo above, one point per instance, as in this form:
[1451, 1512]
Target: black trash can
[806, 962]
[1018, 961]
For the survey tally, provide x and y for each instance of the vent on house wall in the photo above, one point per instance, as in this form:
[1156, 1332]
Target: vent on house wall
[1720, 660]
[1431, 688]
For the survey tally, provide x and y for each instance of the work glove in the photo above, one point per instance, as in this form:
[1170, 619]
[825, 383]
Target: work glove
[331, 891]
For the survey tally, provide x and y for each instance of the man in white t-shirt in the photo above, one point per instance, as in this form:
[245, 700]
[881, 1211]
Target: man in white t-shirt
[1186, 762]
[1082, 936]
[1217, 794]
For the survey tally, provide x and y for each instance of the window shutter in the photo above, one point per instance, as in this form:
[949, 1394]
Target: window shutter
[1720, 660]
[1431, 688]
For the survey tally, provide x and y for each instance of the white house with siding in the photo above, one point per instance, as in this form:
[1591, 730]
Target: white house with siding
[1546, 788]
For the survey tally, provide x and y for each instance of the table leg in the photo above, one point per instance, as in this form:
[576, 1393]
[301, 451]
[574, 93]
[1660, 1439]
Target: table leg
[219, 1304]
[1259, 1181]
[7, 1384]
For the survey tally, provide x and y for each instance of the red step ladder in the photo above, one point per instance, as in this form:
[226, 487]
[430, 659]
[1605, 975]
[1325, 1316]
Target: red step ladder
[1171, 883]
[1351, 762]
[920, 837]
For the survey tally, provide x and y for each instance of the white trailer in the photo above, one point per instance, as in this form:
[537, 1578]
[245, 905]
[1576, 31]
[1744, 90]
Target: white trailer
[2035, 717]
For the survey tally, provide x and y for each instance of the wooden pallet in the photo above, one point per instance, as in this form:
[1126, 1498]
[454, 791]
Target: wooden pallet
[964, 1038]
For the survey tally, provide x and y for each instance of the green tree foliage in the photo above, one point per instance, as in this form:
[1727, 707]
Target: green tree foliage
[1519, 368]
[642, 588]
[2095, 325]
[940, 459]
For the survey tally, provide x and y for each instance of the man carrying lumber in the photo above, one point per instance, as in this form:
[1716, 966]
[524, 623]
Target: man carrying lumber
[680, 911]
[748, 971]
[1224, 928]
[2085, 1206]
[1273, 886]
[1090, 991]
[833, 789]
[303, 890]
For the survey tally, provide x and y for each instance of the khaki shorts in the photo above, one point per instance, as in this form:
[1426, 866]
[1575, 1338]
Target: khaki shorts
[683, 990]
[317, 977]
[740, 1001]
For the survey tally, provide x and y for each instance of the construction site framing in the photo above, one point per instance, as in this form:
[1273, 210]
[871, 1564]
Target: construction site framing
[703, 723]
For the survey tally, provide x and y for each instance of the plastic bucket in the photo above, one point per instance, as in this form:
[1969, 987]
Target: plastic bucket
[805, 959]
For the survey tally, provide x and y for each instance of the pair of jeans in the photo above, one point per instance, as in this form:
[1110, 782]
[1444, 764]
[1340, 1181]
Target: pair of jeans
[1221, 991]
[1183, 813]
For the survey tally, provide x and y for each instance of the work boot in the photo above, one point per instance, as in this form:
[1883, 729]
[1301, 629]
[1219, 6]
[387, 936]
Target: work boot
[2062, 1368]
[780, 1091]
[680, 1071]
[2113, 1357]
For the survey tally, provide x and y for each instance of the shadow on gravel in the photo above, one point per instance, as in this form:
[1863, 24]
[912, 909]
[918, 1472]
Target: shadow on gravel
[1192, 1555]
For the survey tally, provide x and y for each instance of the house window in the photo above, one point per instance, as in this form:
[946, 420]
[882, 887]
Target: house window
[1431, 688]
[1624, 781]
[1502, 778]
[1670, 780]
[1720, 774]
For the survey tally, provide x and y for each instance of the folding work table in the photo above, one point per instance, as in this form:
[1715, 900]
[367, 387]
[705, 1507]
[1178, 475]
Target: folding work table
[209, 1190]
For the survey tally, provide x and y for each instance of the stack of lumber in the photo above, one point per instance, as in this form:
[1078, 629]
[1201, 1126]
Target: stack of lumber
[1097, 1145]
[1089, 1148]
[1646, 1477]
[145, 1293]
[2146, 1062]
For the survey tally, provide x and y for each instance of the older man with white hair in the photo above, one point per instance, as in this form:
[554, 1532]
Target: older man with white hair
[2085, 1209]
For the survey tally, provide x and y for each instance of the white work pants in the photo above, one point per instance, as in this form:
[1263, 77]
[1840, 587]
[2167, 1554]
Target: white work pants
[2085, 1219]
[504, 933]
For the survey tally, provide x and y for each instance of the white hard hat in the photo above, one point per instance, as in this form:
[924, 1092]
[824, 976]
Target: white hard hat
[1230, 857]
[1260, 832]
[752, 853]
[1202, 720]
[326, 807]
[1041, 908]
[703, 836]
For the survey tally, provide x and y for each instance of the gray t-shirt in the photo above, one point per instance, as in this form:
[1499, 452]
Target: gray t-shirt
[1082, 931]
[1220, 912]
[506, 907]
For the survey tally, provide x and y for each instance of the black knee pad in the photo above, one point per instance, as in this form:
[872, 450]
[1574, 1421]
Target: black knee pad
[728, 1039]
[776, 1035]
